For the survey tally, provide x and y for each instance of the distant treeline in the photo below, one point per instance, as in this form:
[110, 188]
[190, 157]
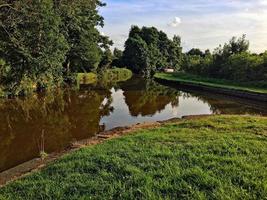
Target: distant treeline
[148, 50]
[233, 61]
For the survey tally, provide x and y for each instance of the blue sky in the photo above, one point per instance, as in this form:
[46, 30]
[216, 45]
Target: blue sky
[200, 23]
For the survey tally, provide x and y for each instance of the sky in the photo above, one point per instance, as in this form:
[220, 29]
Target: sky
[201, 24]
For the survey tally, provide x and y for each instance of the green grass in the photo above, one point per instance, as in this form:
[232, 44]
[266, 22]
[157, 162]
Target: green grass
[116, 75]
[219, 157]
[211, 82]
[109, 75]
[86, 78]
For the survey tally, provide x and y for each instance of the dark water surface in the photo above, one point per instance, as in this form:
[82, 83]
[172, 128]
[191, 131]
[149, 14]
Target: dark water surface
[70, 115]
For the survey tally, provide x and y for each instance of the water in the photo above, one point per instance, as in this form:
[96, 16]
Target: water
[65, 116]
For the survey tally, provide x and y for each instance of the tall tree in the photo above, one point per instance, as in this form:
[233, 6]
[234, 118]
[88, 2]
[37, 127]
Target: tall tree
[31, 43]
[117, 58]
[175, 53]
[80, 21]
[135, 55]
[106, 60]
[148, 50]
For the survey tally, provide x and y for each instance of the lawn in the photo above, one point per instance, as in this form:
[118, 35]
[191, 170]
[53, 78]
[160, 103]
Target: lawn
[108, 75]
[211, 82]
[218, 157]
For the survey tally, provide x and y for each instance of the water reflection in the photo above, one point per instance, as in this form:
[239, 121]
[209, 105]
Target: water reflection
[146, 98]
[69, 115]
[62, 117]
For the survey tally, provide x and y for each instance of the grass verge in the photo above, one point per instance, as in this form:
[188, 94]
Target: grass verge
[217, 157]
[109, 75]
[211, 82]
[86, 78]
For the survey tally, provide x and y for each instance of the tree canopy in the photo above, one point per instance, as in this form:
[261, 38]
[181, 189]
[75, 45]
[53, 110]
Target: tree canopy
[231, 61]
[41, 41]
[148, 50]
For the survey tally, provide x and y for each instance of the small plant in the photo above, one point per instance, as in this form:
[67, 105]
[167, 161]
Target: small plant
[43, 155]
[41, 147]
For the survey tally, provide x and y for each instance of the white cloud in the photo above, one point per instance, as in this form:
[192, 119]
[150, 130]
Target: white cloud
[202, 23]
[176, 22]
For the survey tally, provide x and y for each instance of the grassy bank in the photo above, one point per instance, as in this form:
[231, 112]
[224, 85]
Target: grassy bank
[109, 75]
[219, 157]
[210, 82]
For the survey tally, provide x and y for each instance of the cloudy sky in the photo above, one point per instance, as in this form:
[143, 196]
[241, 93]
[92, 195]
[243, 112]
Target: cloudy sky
[200, 23]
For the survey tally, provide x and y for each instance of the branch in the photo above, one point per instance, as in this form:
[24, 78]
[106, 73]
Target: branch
[7, 5]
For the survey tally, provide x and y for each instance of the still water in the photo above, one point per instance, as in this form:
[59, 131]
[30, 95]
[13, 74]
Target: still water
[65, 116]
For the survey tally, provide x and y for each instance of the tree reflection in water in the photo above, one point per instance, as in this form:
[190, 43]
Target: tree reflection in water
[63, 116]
[146, 97]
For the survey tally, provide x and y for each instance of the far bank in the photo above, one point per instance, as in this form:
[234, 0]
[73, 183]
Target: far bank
[242, 90]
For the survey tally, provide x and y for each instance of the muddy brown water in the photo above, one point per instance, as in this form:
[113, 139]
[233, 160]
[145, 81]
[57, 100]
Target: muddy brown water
[57, 119]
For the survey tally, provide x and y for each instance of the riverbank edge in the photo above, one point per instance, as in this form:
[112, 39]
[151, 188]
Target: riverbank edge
[220, 90]
[38, 164]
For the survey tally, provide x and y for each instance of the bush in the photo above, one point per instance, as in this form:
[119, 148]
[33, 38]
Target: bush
[231, 62]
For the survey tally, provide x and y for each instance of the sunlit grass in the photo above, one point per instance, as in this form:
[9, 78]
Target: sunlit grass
[192, 79]
[108, 75]
[219, 157]
[86, 78]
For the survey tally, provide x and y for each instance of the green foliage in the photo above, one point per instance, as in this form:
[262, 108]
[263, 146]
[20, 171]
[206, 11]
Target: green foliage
[219, 157]
[117, 53]
[32, 44]
[232, 62]
[195, 52]
[106, 60]
[114, 75]
[148, 50]
[86, 78]
[117, 58]
[79, 25]
[43, 41]
[256, 87]
[106, 76]
[136, 55]
[147, 98]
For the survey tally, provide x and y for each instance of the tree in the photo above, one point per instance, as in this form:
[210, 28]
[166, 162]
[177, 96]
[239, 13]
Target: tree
[107, 58]
[32, 44]
[154, 51]
[195, 52]
[117, 53]
[136, 55]
[175, 53]
[80, 20]
[117, 58]
[43, 41]
[232, 61]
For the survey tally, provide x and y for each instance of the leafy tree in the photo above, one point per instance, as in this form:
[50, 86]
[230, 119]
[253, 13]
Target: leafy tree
[136, 54]
[231, 61]
[117, 58]
[196, 52]
[117, 53]
[152, 52]
[175, 53]
[107, 58]
[42, 41]
[80, 19]
[32, 44]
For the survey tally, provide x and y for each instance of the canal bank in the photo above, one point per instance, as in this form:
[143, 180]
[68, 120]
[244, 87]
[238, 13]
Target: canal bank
[63, 117]
[252, 93]
[213, 156]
